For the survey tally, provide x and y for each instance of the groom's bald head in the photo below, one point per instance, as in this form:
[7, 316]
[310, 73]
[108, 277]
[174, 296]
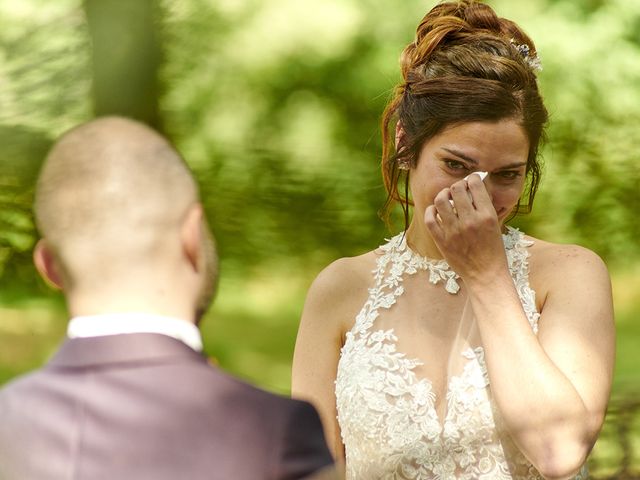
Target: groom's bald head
[111, 190]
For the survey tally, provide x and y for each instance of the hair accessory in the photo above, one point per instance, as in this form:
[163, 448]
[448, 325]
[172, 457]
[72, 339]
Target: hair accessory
[403, 164]
[532, 60]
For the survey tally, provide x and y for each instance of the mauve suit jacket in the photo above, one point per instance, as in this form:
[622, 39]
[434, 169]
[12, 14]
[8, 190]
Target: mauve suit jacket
[147, 407]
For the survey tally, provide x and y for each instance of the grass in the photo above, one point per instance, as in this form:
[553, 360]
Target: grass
[252, 327]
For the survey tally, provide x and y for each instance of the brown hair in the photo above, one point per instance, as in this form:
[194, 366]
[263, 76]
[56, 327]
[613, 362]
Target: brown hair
[464, 66]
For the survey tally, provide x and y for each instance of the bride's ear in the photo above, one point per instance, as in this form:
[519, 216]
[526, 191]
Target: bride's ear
[400, 136]
[402, 155]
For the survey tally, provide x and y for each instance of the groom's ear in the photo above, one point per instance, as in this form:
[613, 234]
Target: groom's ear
[191, 236]
[47, 265]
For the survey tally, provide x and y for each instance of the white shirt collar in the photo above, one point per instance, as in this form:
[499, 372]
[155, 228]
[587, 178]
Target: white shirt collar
[122, 323]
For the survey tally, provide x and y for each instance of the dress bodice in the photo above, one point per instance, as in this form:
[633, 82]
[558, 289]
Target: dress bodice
[406, 414]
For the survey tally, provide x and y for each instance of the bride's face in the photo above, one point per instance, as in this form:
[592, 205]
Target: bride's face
[500, 148]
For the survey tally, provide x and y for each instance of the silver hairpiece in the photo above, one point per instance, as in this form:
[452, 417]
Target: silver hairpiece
[532, 60]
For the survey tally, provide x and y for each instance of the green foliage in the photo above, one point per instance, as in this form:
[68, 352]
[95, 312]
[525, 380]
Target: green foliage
[277, 111]
[21, 151]
[592, 85]
[294, 100]
[44, 89]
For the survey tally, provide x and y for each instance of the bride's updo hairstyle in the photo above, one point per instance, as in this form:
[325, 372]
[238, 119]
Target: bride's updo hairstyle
[465, 65]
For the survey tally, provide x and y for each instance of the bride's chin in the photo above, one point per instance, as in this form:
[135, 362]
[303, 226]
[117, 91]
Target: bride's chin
[502, 214]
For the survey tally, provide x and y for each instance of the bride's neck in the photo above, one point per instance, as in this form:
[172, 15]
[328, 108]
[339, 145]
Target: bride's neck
[420, 241]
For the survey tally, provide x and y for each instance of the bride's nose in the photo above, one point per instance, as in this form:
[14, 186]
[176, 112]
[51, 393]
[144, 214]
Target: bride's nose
[488, 184]
[491, 187]
[486, 180]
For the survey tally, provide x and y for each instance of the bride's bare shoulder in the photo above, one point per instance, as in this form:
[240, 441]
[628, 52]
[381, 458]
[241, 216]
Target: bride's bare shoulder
[555, 257]
[340, 290]
[346, 276]
[556, 265]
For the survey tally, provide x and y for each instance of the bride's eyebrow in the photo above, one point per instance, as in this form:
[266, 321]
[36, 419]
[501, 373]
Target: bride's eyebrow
[513, 165]
[467, 158]
[461, 155]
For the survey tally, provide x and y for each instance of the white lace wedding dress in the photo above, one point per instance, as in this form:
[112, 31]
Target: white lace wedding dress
[412, 390]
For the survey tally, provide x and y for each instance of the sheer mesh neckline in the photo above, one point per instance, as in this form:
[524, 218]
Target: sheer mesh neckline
[439, 270]
[510, 238]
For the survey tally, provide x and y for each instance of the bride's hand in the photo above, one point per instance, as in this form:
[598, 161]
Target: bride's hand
[467, 232]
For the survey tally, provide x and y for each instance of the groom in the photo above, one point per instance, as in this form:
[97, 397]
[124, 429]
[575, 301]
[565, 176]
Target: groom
[129, 395]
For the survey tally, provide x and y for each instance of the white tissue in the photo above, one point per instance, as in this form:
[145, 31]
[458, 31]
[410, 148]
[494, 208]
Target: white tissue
[482, 175]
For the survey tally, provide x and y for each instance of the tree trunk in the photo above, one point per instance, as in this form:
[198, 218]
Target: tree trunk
[126, 58]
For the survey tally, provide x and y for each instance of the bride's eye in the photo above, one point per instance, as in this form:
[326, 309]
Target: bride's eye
[508, 174]
[456, 166]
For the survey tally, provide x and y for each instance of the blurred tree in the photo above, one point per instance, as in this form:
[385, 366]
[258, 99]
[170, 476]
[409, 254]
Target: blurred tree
[592, 85]
[21, 151]
[277, 110]
[44, 83]
[126, 57]
[285, 109]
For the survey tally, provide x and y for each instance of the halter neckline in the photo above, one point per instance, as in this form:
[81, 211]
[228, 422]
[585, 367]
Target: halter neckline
[439, 269]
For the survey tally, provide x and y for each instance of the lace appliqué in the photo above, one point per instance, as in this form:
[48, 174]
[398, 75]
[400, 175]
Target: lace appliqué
[409, 262]
[387, 414]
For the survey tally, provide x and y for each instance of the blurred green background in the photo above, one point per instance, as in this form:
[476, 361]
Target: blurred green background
[275, 105]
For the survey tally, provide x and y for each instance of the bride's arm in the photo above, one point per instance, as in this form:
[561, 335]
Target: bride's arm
[551, 389]
[330, 307]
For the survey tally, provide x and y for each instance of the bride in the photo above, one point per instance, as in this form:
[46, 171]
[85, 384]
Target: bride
[461, 348]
